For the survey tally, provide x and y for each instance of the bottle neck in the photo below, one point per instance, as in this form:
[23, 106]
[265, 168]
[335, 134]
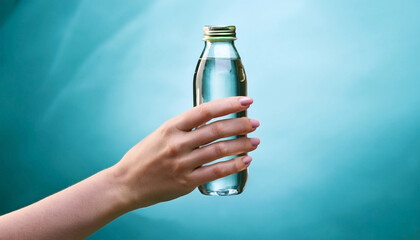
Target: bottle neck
[220, 49]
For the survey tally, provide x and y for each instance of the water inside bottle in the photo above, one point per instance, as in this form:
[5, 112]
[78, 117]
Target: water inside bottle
[219, 78]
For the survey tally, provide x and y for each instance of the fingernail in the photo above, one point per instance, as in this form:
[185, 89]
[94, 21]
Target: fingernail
[247, 160]
[255, 141]
[254, 123]
[245, 101]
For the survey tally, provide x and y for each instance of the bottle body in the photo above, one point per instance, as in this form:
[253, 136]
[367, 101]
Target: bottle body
[219, 74]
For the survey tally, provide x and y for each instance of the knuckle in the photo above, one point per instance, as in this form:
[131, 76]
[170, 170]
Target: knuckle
[165, 129]
[179, 176]
[204, 111]
[171, 148]
[217, 130]
[219, 171]
[182, 144]
[183, 181]
[177, 168]
[220, 149]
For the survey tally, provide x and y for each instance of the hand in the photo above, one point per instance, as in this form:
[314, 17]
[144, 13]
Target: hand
[169, 162]
[165, 165]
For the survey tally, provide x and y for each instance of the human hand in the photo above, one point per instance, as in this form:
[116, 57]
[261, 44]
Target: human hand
[165, 165]
[169, 162]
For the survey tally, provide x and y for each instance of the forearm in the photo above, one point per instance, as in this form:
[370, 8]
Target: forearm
[74, 213]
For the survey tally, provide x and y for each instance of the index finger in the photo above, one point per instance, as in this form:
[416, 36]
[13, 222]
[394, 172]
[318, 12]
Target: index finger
[207, 111]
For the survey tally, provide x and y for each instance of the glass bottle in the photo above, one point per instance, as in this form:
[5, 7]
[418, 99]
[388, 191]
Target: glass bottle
[219, 74]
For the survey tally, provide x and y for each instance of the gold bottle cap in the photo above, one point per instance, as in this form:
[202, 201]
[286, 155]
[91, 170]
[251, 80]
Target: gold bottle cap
[219, 33]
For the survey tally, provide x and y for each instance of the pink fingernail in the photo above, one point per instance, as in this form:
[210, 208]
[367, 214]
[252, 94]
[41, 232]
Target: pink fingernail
[255, 141]
[247, 160]
[246, 101]
[254, 123]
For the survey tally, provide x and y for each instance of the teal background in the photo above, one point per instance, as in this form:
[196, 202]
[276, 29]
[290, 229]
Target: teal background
[336, 87]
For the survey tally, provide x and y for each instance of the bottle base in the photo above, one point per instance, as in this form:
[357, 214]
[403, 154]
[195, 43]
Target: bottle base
[221, 192]
[227, 186]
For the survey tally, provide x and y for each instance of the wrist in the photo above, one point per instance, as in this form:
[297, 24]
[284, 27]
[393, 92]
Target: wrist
[128, 192]
[118, 187]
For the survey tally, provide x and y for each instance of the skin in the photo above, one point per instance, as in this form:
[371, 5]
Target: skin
[165, 165]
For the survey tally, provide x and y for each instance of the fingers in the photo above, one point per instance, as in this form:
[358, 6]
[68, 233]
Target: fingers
[221, 129]
[222, 169]
[207, 111]
[221, 149]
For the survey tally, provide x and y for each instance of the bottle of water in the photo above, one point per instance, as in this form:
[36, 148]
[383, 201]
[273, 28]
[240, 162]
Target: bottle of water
[219, 74]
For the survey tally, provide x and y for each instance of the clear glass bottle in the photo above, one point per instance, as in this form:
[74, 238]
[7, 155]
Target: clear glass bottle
[219, 74]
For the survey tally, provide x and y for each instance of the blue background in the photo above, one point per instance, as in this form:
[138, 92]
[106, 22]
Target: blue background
[336, 87]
